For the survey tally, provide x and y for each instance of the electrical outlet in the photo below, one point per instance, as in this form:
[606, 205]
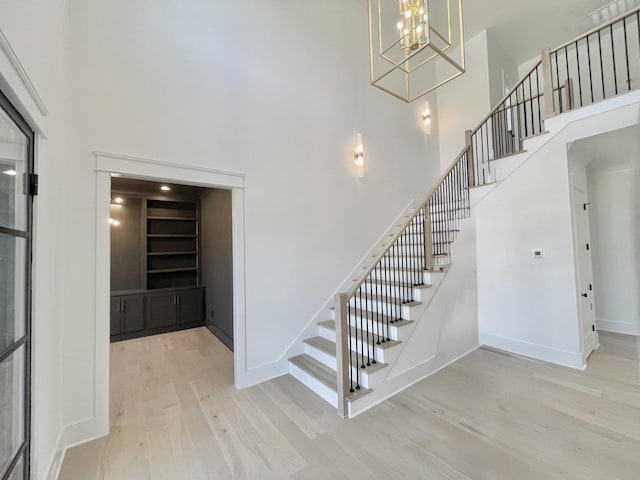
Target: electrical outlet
[537, 253]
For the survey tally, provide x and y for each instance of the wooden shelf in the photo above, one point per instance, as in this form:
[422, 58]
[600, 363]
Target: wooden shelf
[173, 270]
[180, 219]
[167, 235]
[161, 254]
[172, 258]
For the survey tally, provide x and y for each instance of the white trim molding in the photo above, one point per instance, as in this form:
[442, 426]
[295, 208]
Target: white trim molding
[533, 350]
[617, 326]
[8, 50]
[155, 170]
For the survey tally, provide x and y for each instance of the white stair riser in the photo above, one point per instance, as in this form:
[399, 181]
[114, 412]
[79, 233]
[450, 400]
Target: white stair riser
[385, 275]
[368, 380]
[314, 385]
[382, 307]
[383, 355]
[391, 291]
[395, 333]
[322, 357]
[402, 262]
[319, 355]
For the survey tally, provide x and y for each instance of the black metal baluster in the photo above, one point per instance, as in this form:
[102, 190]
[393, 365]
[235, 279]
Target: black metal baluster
[350, 346]
[626, 52]
[555, 57]
[539, 108]
[579, 76]
[376, 326]
[358, 304]
[364, 325]
[604, 95]
[590, 69]
[533, 129]
[569, 94]
[613, 59]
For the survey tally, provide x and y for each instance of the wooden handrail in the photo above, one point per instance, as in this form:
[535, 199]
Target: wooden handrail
[598, 28]
[504, 99]
[361, 279]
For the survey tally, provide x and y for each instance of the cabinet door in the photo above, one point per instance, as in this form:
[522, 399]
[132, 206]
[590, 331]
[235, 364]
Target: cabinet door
[162, 310]
[132, 314]
[115, 316]
[190, 306]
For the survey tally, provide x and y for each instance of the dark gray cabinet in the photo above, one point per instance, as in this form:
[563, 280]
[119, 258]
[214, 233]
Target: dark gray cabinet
[127, 314]
[162, 310]
[156, 311]
[191, 306]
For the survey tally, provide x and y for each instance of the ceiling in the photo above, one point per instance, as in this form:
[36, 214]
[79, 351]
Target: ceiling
[528, 26]
[608, 149]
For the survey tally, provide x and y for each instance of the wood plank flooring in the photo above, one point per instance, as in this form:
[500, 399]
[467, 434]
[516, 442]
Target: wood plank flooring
[175, 415]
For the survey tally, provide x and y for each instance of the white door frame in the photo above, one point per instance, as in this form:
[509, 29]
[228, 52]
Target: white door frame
[579, 243]
[146, 169]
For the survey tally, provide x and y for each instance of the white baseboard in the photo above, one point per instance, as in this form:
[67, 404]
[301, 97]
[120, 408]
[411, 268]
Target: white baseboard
[533, 350]
[263, 373]
[618, 327]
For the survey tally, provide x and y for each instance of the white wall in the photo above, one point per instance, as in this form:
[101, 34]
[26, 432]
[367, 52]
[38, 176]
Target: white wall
[503, 69]
[528, 305]
[33, 72]
[464, 101]
[615, 234]
[274, 90]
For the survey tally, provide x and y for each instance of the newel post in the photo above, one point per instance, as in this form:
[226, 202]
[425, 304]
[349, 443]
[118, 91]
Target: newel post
[342, 353]
[428, 245]
[471, 163]
[547, 84]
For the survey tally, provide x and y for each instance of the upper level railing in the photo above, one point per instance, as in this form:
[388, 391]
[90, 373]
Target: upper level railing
[598, 65]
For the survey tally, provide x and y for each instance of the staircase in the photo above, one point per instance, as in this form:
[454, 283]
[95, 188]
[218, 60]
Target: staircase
[353, 351]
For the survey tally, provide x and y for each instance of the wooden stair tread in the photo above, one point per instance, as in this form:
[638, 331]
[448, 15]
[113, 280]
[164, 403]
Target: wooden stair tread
[331, 325]
[329, 348]
[317, 370]
[386, 299]
[379, 318]
[394, 284]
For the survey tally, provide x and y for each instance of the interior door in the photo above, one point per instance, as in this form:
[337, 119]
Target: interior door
[584, 269]
[16, 166]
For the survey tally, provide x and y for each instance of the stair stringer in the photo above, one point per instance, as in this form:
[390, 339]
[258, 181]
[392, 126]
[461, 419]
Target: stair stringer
[444, 331]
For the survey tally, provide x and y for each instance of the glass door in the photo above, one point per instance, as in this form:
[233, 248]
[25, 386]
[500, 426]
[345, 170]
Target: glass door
[16, 168]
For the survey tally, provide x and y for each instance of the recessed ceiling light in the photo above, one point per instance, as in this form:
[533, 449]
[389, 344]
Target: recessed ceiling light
[11, 173]
[115, 174]
[113, 222]
[118, 200]
[165, 188]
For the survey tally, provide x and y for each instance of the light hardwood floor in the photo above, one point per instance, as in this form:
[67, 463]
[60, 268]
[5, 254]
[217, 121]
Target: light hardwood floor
[176, 415]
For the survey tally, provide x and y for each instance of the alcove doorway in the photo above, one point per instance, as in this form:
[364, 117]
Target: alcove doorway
[171, 259]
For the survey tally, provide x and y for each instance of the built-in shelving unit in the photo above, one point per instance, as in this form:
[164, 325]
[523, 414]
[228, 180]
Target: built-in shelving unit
[172, 244]
[156, 278]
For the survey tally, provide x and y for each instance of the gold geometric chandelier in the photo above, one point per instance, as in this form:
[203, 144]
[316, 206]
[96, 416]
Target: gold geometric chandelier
[415, 46]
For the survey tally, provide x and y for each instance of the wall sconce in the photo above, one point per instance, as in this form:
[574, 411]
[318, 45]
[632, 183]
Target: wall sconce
[426, 118]
[358, 155]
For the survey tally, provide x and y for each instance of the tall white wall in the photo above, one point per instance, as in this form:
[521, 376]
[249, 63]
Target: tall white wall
[615, 234]
[274, 90]
[33, 73]
[528, 305]
[464, 101]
